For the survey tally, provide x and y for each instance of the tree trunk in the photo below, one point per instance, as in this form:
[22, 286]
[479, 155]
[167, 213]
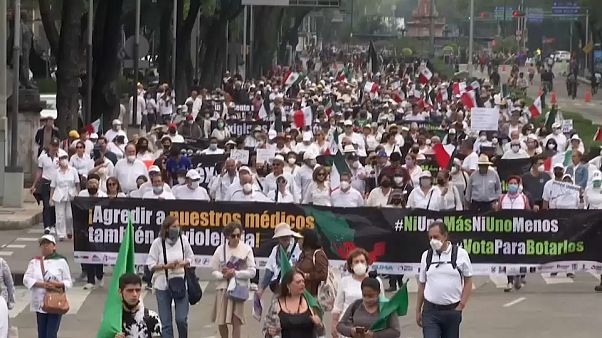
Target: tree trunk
[164, 51]
[290, 32]
[184, 69]
[52, 33]
[266, 36]
[68, 72]
[107, 63]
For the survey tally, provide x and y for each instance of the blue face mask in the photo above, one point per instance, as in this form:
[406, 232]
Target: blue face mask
[513, 188]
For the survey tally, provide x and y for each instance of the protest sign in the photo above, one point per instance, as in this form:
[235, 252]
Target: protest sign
[484, 119]
[240, 156]
[265, 155]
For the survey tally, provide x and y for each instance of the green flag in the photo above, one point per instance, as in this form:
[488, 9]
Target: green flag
[551, 118]
[111, 323]
[334, 230]
[396, 306]
[285, 267]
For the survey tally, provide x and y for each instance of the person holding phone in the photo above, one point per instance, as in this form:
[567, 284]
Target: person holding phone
[363, 313]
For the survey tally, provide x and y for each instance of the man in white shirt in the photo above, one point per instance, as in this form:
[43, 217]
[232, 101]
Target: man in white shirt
[140, 107]
[212, 149]
[445, 285]
[470, 161]
[269, 183]
[148, 186]
[116, 130]
[197, 103]
[515, 151]
[128, 169]
[346, 196]
[304, 175]
[158, 192]
[248, 192]
[307, 145]
[192, 190]
[220, 184]
[356, 138]
[358, 173]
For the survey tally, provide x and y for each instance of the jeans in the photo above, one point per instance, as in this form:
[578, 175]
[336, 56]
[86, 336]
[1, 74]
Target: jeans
[164, 299]
[94, 271]
[438, 323]
[48, 325]
[48, 215]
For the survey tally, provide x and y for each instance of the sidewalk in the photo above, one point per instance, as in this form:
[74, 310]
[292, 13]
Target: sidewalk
[20, 218]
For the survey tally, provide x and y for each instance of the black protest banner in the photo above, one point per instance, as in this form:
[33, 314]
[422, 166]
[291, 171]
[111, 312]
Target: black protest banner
[497, 242]
[514, 167]
[239, 127]
[208, 166]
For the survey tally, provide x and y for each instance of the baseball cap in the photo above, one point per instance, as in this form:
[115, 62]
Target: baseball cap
[193, 175]
[154, 169]
[48, 238]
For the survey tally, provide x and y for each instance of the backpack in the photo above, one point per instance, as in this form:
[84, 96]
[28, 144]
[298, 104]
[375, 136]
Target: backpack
[327, 291]
[453, 262]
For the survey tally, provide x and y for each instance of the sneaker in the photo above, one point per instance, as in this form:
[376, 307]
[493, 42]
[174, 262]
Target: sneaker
[101, 283]
[61, 238]
[149, 286]
[509, 287]
[253, 287]
[598, 288]
[88, 286]
[46, 231]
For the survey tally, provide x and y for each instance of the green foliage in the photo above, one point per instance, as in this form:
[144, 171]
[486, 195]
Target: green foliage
[209, 7]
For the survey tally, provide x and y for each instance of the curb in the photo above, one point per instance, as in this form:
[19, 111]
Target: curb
[25, 223]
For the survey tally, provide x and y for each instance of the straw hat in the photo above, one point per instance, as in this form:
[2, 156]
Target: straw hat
[284, 230]
[484, 159]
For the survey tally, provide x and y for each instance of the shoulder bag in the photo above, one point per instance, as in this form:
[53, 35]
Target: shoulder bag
[195, 291]
[55, 300]
[176, 285]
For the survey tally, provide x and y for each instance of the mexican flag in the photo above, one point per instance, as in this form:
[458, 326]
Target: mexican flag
[551, 118]
[396, 306]
[285, 267]
[425, 75]
[458, 88]
[302, 118]
[598, 135]
[293, 78]
[535, 108]
[444, 154]
[370, 87]
[344, 75]
[468, 99]
[111, 323]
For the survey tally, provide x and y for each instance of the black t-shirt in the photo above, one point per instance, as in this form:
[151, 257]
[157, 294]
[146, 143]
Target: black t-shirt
[534, 185]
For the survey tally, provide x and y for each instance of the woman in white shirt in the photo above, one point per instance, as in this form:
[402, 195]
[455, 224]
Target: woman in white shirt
[104, 168]
[447, 193]
[350, 287]
[413, 168]
[593, 195]
[233, 265]
[221, 133]
[81, 161]
[143, 153]
[281, 194]
[424, 197]
[169, 256]
[63, 188]
[48, 272]
[114, 188]
[319, 190]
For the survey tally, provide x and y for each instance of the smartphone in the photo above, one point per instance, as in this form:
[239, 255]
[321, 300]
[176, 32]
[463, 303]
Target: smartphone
[360, 330]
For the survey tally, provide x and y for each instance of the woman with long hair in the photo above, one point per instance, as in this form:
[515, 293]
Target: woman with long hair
[232, 262]
[114, 188]
[169, 256]
[313, 262]
[318, 192]
[289, 315]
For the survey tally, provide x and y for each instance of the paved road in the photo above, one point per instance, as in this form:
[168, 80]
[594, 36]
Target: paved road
[589, 110]
[546, 307]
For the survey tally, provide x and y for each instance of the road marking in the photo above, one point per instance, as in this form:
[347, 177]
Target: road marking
[595, 274]
[6, 253]
[27, 239]
[76, 296]
[22, 300]
[35, 231]
[15, 246]
[514, 302]
[558, 279]
[500, 281]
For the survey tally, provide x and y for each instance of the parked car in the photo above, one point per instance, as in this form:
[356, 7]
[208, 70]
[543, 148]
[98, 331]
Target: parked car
[562, 55]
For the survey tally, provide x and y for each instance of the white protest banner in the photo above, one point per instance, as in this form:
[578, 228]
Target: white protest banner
[484, 119]
[567, 126]
[240, 156]
[264, 155]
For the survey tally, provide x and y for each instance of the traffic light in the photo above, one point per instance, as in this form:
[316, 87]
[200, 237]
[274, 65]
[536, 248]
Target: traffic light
[517, 13]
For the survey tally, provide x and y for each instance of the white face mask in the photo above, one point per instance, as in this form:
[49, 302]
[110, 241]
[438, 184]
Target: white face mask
[247, 188]
[398, 180]
[292, 160]
[541, 168]
[345, 185]
[436, 244]
[360, 269]
[181, 180]
[494, 140]
[355, 164]
[194, 185]
[131, 158]
[515, 148]
[63, 163]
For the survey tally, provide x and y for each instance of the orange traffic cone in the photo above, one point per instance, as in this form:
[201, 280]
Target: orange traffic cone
[553, 98]
[588, 96]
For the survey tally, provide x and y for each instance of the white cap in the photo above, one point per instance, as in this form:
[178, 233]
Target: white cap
[62, 153]
[244, 168]
[349, 149]
[306, 136]
[556, 125]
[272, 134]
[575, 137]
[116, 122]
[309, 155]
[94, 136]
[154, 169]
[278, 158]
[348, 123]
[48, 238]
[426, 173]
[193, 175]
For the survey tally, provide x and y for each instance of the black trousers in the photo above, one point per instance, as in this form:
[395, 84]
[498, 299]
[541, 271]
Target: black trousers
[94, 271]
[481, 206]
[395, 281]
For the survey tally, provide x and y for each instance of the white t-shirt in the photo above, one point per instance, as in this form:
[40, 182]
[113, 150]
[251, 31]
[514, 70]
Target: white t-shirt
[470, 162]
[349, 290]
[127, 173]
[429, 201]
[593, 198]
[185, 193]
[64, 184]
[85, 193]
[83, 164]
[165, 195]
[49, 165]
[377, 198]
[444, 284]
[347, 199]
[288, 198]
[567, 200]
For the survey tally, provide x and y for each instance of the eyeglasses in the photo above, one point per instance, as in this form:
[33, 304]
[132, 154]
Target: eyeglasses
[235, 236]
